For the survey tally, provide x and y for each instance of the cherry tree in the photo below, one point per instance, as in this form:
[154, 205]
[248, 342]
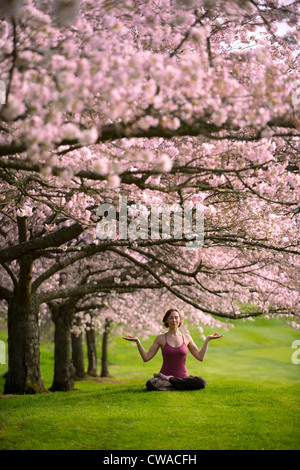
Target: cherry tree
[67, 298]
[167, 102]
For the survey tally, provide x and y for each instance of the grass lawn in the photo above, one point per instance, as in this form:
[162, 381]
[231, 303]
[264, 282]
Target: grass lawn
[251, 400]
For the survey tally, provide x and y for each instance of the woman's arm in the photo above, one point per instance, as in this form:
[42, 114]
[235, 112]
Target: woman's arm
[200, 355]
[146, 356]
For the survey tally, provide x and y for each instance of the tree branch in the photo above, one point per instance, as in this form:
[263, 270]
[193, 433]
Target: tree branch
[58, 266]
[180, 295]
[57, 238]
[5, 294]
[111, 132]
[11, 274]
[81, 290]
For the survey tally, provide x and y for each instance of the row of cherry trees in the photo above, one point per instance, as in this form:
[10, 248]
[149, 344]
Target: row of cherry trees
[163, 102]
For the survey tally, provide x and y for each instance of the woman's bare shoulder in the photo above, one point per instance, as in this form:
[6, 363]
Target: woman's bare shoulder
[187, 338]
[160, 339]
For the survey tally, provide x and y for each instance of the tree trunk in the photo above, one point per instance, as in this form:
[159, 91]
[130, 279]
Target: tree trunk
[104, 360]
[92, 352]
[23, 376]
[63, 370]
[78, 355]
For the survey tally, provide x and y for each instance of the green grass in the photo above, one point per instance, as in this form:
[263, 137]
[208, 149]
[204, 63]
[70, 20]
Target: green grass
[251, 400]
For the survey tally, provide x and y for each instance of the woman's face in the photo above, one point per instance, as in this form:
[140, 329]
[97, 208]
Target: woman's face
[173, 319]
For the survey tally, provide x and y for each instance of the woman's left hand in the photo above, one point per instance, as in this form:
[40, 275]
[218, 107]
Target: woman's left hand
[130, 338]
[215, 336]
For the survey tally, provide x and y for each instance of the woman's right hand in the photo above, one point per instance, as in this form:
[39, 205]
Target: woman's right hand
[130, 338]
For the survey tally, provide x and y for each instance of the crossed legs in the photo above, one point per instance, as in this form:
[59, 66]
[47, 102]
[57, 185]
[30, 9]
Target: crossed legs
[168, 382]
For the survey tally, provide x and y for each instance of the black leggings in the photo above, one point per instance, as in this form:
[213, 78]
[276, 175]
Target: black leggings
[174, 383]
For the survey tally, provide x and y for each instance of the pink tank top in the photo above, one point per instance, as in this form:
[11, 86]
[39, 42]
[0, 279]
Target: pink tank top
[174, 360]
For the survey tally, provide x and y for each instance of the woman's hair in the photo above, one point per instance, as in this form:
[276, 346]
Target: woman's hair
[165, 322]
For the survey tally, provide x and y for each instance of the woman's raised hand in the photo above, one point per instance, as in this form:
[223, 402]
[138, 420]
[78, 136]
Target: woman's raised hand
[130, 338]
[214, 336]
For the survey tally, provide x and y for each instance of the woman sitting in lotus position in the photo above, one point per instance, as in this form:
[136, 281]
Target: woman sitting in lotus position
[174, 345]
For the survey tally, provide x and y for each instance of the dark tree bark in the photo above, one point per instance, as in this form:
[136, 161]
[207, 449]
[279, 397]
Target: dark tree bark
[78, 356]
[62, 315]
[92, 352]
[104, 359]
[23, 374]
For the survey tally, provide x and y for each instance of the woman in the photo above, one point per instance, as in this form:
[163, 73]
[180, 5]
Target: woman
[174, 345]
